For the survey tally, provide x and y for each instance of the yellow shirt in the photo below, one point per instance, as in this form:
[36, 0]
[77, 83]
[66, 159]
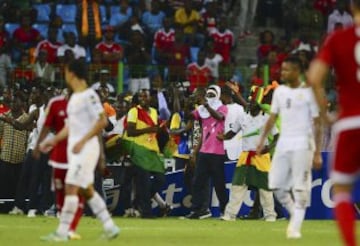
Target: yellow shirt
[182, 18]
[147, 140]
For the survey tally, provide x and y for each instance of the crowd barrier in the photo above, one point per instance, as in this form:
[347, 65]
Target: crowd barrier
[175, 193]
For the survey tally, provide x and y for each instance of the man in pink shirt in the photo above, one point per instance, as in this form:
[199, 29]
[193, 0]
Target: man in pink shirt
[211, 156]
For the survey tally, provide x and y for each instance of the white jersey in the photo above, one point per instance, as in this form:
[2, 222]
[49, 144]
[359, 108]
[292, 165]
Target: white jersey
[83, 110]
[296, 108]
[234, 122]
[253, 126]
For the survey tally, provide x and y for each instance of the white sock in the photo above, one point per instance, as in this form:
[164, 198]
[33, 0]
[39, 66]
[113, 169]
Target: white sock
[158, 199]
[286, 200]
[98, 207]
[297, 219]
[67, 214]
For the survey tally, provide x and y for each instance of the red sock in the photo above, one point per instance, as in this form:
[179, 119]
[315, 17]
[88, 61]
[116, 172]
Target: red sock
[78, 214]
[345, 217]
[59, 196]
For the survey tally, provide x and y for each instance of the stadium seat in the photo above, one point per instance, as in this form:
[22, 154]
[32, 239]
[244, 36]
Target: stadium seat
[11, 27]
[42, 28]
[194, 53]
[43, 12]
[67, 12]
[116, 9]
[104, 19]
[70, 28]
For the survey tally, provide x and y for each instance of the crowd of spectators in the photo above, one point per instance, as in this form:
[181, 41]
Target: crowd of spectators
[153, 45]
[155, 37]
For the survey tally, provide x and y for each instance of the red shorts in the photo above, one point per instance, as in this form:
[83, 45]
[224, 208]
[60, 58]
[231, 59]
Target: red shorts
[346, 159]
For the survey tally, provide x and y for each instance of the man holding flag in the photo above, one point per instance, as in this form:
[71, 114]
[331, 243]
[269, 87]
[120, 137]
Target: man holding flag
[252, 168]
[141, 145]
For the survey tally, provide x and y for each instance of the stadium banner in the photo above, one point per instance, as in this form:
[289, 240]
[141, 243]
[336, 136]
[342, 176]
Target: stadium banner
[175, 193]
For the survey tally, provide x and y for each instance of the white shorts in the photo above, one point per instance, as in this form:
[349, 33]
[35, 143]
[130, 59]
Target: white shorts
[82, 165]
[291, 170]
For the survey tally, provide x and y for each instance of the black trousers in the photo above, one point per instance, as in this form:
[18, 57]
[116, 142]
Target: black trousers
[181, 163]
[208, 167]
[9, 177]
[126, 186]
[22, 189]
[40, 194]
[146, 185]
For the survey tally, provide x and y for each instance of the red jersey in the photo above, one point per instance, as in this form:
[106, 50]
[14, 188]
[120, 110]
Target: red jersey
[223, 42]
[265, 49]
[341, 50]
[109, 48]
[26, 36]
[325, 6]
[181, 53]
[55, 119]
[24, 74]
[4, 109]
[198, 76]
[51, 49]
[164, 40]
[4, 38]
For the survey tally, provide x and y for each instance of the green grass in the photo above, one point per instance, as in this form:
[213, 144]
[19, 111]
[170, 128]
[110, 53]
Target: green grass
[20, 230]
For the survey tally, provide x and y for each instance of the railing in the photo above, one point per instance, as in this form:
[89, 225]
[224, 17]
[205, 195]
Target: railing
[121, 73]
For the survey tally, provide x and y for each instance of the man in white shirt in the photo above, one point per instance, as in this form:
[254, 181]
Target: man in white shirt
[86, 120]
[233, 125]
[252, 168]
[213, 60]
[339, 17]
[79, 51]
[298, 145]
[104, 79]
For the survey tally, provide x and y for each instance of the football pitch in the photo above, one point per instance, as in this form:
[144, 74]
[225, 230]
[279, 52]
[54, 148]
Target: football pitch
[20, 230]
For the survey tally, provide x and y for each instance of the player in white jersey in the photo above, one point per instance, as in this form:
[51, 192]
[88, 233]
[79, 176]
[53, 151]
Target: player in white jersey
[298, 146]
[86, 120]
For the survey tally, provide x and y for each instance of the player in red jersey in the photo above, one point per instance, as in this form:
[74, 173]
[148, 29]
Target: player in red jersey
[341, 51]
[223, 40]
[55, 120]
[111, 52]
[50, 44]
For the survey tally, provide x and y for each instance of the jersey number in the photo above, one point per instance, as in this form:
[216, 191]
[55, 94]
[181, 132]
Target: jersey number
[288, 102]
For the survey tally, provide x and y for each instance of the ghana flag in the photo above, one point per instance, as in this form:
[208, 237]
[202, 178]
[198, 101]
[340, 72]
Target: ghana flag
[252, 170]
[143, 149]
